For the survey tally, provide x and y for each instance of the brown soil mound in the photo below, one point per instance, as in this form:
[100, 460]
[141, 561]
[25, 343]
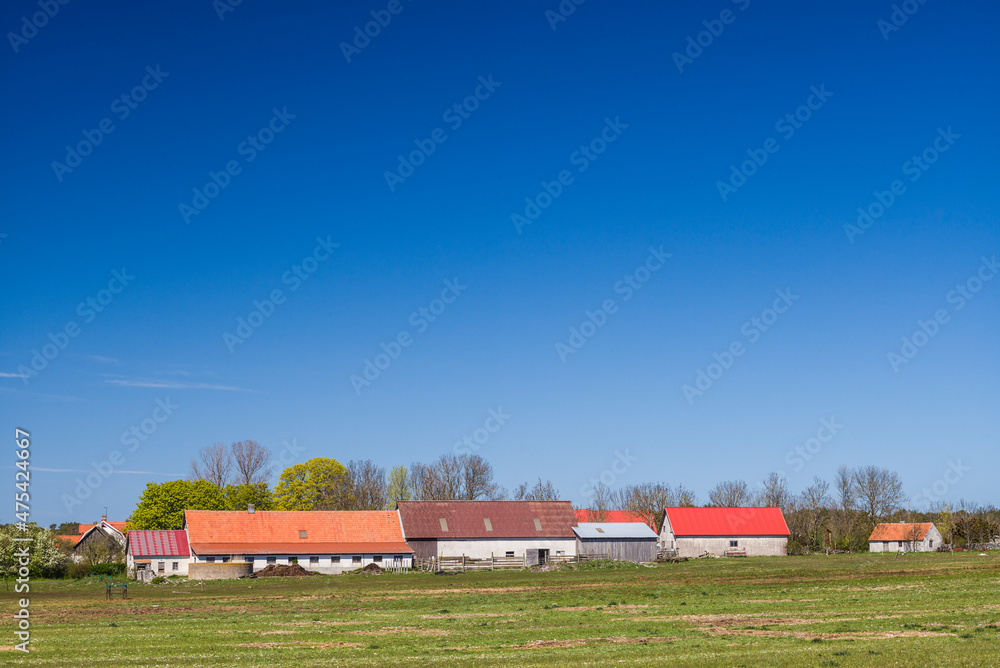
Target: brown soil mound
[372, 568]
[282, 570]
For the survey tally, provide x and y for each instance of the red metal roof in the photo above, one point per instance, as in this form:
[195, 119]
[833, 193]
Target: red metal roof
[468, 519]
[293, 531]
[727, 521]
[588, 515]
[158, 544]
[904, 532]
[301, 548]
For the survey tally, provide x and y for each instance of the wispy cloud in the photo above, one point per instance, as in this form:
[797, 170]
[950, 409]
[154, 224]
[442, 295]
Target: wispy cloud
[47, 470]
[107, 360]
[4, 374]
[174, 385]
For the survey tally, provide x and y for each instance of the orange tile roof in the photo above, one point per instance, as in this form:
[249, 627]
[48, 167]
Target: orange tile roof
[72, 539]
[278, 532]
[121, 526]
[901, 532]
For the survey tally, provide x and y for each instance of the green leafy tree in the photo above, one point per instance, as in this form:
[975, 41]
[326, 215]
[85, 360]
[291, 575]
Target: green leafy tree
[162, 505]
[238, 497]
[398, 487]
[318, 484]
[47, 559]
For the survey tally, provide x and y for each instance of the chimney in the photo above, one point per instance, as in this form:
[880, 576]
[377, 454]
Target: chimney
[250, 508]
[104, 518]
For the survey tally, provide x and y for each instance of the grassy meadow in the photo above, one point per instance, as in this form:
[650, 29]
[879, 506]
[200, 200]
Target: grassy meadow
[844, 610]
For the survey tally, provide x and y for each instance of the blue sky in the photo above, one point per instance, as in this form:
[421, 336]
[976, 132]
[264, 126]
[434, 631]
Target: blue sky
[887, 96]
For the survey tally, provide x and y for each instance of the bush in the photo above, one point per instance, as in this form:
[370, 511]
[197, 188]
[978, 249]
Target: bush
[795, 547]
[159, 579]
[108, 569]
[78, 570]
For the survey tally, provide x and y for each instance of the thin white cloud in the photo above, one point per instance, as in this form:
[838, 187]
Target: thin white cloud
[47, 470]
[4, 374]
[99, 358]
[174, 385]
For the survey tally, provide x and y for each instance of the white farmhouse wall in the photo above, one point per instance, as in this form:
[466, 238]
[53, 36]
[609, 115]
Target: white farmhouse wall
[167, 561]
[483, 548]
[325, 563]
[755, 546]
[931, 542]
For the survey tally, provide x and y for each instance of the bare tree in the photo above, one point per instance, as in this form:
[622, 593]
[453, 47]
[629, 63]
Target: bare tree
[815, 502]
[601, 501]
[844, 514]
[214, 464]
[775, 492]
[731, 494]
[468, 477]
[367, 485]
[398, 487]
[879, 492]
[251, 461]
[477, 479]
[541, 491]
[647, 500]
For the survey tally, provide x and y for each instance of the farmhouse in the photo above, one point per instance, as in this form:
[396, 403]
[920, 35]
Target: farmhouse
[625, 541]
[318, 540]
[534, 530]
[97, 543]
[157, 552]
[905, 537]
[753, 532]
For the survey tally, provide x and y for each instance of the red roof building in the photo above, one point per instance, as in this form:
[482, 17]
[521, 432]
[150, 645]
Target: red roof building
[159, 552]
[481, 529]
[692, 532]
[323, 541]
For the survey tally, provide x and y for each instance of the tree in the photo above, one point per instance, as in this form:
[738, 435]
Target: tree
[775, 493]
[239, 497]
[878, 491]
[101, 549]
[47, 558]
[601, 501]
[815, 501]
[368, 488]
[251, 462]
[541, 491]
[318, 484]
[844, 515]
[464, 477]
[477, 479]
[162, 505]
[731, 494]
[647, 500]
[398, 487]
[214, 465]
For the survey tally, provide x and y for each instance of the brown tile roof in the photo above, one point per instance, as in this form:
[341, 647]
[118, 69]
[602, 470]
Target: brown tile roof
[294, 531]
[587, 515]
[487, 519]
[901, 532]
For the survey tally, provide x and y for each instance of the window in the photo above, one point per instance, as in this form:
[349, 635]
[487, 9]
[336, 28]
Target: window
[509, 553]
[313, 560]
[272, 560]
[931, 543]
[293, 560]
[599, 530]
[249, 560]
[162, 566]
[302, 533]
[560, 552]
[210, 560]
[334, 560]
[900, 543]
[377, 558]
[225, 559]
[538, 524]
[444, 524]
[176, 566]
[489, 525]
[734, 543]
[355, 559]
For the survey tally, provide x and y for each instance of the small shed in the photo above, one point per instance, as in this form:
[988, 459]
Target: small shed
[625, 541]
[905, 537]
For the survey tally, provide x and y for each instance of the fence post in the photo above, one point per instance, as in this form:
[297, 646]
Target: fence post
[493, 561]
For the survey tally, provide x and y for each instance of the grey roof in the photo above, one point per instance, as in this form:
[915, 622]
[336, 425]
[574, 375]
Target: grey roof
[613, 530]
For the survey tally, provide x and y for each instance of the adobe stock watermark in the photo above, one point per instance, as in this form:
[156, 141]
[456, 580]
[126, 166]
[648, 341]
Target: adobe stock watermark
[802, 453]
[936, 491]
[454, 116]
[753, 329]
[37, 21]
[900, 14]
[914, 168]
[249, 148]
[88, 310]
[420, 320]
[471, 443]
[787, 125]
[563, 11]
[132, 438]
[620, 465]
[122, 107]
[581, 158]
[626, 286]
[714, 28]
[928, 329]
[381, 18]
[289, 453]
[223, 7]
[294, 277]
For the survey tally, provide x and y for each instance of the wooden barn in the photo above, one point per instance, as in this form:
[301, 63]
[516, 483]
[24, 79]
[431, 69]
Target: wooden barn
[625, 541]
[903, 537]
[533, 530]
[751, 532]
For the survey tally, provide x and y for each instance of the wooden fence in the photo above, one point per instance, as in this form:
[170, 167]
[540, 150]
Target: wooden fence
[465, 563]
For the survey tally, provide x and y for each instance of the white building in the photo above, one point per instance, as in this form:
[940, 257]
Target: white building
[161, 553]
[903, 537]
[532, 530]
[751, 532]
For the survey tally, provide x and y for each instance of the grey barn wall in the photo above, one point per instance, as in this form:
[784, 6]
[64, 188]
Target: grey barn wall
[423, 549]
[624, 549]
[755, 546]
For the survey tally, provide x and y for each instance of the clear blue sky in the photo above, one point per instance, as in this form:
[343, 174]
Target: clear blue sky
[607, 68]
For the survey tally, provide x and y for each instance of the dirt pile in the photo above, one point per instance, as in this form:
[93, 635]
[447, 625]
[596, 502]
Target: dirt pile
[282, 570]
[372, 568]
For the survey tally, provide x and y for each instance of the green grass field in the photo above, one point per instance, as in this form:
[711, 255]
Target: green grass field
[847, 610]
